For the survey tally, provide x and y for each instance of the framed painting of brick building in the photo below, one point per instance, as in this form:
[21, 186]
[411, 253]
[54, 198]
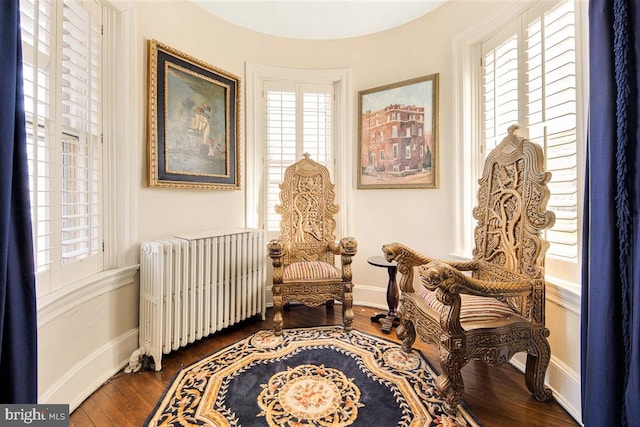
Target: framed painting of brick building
[398, 135]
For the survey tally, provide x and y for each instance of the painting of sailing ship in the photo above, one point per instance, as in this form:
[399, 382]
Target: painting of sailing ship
[193, 122]
[196, 133]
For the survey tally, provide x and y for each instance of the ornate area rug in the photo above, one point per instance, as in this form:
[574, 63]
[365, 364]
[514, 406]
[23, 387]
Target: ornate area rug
[308, 377]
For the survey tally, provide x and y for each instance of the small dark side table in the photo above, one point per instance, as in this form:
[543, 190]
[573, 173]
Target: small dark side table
[390, 318]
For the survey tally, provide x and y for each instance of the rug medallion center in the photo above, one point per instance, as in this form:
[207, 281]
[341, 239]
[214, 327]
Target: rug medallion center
[310, 393]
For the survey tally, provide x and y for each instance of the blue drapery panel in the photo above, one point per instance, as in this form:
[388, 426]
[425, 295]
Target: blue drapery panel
[18, 326]
[611, 235]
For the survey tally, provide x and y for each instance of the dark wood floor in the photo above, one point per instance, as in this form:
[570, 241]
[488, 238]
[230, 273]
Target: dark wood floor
[496, 395]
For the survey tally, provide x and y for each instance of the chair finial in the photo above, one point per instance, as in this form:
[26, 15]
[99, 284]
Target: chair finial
[513, 130]
[306, 156]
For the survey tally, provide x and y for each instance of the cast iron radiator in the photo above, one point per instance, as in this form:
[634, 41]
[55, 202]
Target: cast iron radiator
[192, 285]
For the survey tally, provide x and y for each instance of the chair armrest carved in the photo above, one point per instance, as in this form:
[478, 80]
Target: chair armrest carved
[441, 275]
[274, 248]
[346, 248]
[407, 259]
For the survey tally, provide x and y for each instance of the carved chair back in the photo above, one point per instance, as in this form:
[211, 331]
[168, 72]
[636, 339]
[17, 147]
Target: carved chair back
[511, 215]
[307, 208]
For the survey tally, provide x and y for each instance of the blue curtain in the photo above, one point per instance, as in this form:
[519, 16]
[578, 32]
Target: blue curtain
[611, 247]
[18, 326]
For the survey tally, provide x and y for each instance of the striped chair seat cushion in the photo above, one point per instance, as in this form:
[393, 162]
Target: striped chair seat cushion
[310, 270]
[474, 308]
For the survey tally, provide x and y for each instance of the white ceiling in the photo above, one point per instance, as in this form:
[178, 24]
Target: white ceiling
[319, 19]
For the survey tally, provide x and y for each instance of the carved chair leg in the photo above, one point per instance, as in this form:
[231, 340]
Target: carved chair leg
[400, 329]
[407, 333]
[536, 368]
[347, 311]
[449, 383]
[277, 315]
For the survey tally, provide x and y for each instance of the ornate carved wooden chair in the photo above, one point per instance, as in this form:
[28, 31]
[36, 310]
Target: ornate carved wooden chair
[493, 306]
[303, 257]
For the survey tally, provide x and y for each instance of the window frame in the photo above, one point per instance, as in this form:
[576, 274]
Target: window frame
[468, 125]
[256, 76]
[65, 121]
[119, 198]
[282, 94]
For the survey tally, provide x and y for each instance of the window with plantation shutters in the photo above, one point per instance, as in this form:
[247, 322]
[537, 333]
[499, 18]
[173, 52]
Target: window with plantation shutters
[529, 77]
[298, 120]
[62, 84]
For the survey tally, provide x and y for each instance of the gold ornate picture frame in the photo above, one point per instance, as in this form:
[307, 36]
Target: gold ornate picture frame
[398, 135]
[193, 117]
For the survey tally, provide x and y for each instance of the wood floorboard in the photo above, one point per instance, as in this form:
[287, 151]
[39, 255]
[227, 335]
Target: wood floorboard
[497, 396]
[117, 414]
[80, 418]
[129, 397]
[95, 414]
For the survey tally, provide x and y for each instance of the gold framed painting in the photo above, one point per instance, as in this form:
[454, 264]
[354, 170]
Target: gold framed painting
[193, 115]
[398, 135]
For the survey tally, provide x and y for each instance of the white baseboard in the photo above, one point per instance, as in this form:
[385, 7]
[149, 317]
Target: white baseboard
[370, 296]
[89, 374]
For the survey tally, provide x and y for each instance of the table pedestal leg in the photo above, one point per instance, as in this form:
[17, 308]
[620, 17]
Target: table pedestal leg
[390, 318]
